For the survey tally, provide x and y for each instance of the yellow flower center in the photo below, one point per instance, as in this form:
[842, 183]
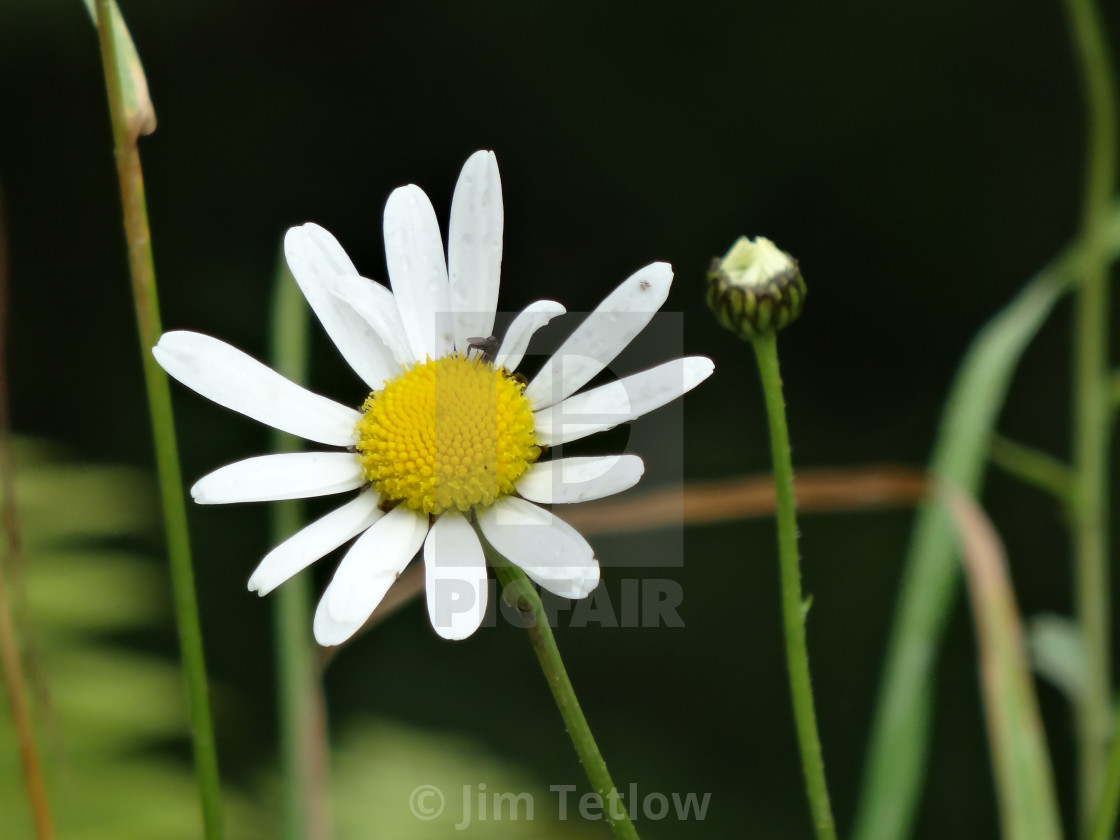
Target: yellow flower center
[455, 432]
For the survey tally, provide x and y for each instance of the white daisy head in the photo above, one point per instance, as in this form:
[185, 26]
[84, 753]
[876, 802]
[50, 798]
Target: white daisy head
[448, 441]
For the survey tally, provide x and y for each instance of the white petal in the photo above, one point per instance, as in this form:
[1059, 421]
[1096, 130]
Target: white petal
[608, 405]
[315, 541]
[569, 480]
[315, 259]
[329, 630]
[271, 478]
[474, 248]
[547, 548]
[599, 339]
[524, 326]
[376, 305]
[414, 253]
[373, 563]
[456, 577]
[239, 382]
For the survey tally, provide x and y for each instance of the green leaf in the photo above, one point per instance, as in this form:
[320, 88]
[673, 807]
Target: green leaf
[381, 765]
[1020, 760]
[103, 707]
[1058, 653]
[129, 592]
[63, 500]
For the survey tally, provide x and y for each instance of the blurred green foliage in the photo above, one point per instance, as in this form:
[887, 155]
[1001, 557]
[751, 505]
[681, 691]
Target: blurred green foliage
[108, 709]
[918, 159]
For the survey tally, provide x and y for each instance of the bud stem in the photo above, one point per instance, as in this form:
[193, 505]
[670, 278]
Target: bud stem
[797, 654]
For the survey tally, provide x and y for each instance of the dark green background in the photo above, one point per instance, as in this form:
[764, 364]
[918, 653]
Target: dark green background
[920, 159]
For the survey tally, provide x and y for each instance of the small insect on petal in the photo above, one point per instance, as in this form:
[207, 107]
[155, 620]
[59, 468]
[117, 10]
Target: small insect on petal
[487, 347]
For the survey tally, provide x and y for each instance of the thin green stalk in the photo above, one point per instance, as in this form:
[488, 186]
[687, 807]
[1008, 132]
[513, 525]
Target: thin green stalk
[1034, 467]
[797, 653]
[303, 738]
[515, 584]
[163, 430]
[11, 661]
[1105, 817]
[1092, 409]
[15, 687]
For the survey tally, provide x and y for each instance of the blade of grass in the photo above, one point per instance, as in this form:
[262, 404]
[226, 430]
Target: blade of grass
[132, 115]
[1104, 819]
[1020, 760]
[899, 741]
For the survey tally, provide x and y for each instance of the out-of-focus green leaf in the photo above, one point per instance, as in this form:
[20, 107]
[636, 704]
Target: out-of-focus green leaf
[106, 706]
[130, 799]
[1058, 653]
[73, 594]
[133, 83]
[61, 501]
[110, 701]
[1024, 778]
[387, 769]
[896, 762]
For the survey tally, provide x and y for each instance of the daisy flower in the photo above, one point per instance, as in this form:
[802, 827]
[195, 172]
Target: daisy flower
[449, 437]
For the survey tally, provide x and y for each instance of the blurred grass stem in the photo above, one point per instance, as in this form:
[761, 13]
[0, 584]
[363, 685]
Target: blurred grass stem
[797, 653]
[528, 603]
[15, 687]
[1104, 818]
[11, 662]
[899, 743]
[125, 134]
[1092, 405]
[1034, 467]
[303, 736]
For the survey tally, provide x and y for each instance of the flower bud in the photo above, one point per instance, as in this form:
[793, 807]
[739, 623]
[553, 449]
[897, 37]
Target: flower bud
[756, 288]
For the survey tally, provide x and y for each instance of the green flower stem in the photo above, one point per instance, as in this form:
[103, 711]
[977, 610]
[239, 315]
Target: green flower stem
[142, 268]
[515, 585]
[1092, 409]
[303, 737]
[797, 654]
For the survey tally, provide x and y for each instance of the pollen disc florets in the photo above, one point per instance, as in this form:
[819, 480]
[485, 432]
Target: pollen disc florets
[449, 433]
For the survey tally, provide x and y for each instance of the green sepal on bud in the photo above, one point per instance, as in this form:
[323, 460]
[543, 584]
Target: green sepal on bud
[756, 288]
